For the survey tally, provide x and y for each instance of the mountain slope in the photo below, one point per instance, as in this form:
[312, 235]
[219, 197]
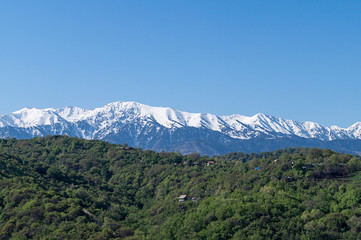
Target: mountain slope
[69, 188]
[160, 128]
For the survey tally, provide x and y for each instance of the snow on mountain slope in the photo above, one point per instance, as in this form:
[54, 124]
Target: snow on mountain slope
[113, 117]
[71, 114]
[29, 117]
[354, 130]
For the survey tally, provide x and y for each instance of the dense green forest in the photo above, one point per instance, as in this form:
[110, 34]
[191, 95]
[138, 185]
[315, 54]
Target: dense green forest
[68, 188]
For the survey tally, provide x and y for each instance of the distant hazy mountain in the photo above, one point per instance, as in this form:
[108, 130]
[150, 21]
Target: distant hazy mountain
[160, 128]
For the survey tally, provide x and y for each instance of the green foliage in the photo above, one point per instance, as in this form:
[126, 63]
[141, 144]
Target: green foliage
[68, 188]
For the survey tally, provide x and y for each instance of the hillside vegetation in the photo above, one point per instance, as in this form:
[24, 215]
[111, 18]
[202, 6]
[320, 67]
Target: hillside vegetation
[68, 188]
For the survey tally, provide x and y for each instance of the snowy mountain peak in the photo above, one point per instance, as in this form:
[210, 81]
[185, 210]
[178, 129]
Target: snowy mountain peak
[124, 105]
[356, 125]
[29, 117]
[118, 115]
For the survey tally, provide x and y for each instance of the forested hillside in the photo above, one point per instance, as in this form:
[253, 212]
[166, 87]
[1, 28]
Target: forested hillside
[68, 188]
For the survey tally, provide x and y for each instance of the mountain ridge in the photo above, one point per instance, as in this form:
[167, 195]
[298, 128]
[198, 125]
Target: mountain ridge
[153, 127]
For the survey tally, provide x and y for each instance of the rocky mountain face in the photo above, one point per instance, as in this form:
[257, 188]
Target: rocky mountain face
[166, 129]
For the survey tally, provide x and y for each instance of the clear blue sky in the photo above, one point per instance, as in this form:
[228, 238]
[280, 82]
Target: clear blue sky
[298, 60]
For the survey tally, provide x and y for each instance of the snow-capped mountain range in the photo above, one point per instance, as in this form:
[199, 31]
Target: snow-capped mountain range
[160, 128]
